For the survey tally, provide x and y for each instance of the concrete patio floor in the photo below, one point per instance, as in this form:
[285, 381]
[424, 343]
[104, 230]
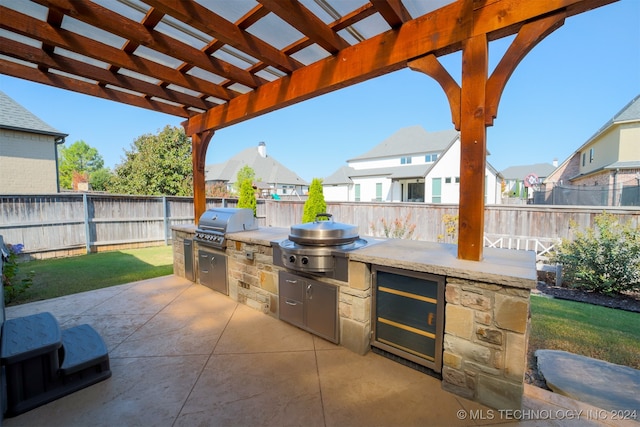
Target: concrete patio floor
[184, 355]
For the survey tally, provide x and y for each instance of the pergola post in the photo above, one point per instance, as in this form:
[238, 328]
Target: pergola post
[473, 147]
[473, 108]
[199, 144]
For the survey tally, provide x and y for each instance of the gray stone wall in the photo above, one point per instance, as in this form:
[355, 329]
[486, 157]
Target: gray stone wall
[485, 342]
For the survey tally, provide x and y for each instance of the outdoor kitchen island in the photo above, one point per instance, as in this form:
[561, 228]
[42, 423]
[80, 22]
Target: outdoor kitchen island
[481, 349]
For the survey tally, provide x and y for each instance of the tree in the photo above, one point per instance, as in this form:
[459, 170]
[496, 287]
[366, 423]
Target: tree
[79, 157]
[99, 179]
[156, 165]
[315, 204]
[246, 172]
[248, 196]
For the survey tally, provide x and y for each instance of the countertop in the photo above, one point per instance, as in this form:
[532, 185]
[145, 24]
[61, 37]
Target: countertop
[508, 267]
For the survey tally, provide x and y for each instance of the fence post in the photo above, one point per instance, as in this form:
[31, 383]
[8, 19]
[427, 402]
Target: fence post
[165, 215]
[87, 229]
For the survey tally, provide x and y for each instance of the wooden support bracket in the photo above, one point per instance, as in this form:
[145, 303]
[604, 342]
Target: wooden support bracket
[430, 65]
[199, 145]
[528, 37]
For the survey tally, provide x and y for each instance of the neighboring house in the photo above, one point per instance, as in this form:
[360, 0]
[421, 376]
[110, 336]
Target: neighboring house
[272, 178]
[28, 151]
[520, 182]
[412, 165]
[605, 170]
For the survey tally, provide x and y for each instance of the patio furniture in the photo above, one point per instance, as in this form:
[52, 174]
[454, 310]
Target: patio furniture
[43, 362]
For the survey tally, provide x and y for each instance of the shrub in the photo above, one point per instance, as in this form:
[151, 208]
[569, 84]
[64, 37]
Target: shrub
[13, 285]
[400, 228]
[450, 227]
[604, 259]
[247, 197]
[315, 203]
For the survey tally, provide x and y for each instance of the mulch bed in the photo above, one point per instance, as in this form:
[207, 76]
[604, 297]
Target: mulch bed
[628, 302]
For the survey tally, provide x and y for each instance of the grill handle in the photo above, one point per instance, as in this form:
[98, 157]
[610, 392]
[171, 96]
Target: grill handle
[324, 214]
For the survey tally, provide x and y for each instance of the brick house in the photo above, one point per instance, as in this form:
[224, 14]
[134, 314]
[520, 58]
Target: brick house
[605, 170]
[28, 151]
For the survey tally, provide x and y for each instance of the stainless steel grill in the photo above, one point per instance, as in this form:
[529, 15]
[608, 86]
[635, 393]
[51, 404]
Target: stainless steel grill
[320, 248]
[215, 223]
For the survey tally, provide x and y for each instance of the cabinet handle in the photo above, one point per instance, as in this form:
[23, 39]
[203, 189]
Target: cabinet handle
[309, 291]
[290, 302]
[291, 281]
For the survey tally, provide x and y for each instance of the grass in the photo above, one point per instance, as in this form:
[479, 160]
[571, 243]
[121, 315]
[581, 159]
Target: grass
[63, 276]
[589, 330]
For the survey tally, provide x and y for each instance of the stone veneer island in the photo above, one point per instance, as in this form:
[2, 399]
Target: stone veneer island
[486, 312]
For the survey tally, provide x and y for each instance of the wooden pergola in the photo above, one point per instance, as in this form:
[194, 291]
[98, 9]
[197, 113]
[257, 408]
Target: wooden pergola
[217, 64]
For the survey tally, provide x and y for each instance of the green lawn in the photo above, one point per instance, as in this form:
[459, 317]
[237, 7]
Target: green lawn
[64, 276]
[598, 332]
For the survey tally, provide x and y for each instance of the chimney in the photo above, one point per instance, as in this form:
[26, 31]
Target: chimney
[555, 163]
[262, 150]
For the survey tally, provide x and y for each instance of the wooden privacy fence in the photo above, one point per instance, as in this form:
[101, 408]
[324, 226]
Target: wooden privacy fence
[65, 224]
[521, 227]
[69, 224]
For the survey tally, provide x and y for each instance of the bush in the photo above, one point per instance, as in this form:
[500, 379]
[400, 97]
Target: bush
[13, 285]
[247, 197]
[604, 259]
[315, 203]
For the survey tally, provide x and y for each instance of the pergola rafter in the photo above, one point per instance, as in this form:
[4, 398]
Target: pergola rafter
[220, 65]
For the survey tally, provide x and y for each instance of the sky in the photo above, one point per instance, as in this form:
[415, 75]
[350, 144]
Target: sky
[561, 93]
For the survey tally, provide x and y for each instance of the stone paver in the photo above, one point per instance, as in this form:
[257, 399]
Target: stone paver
[599, 383]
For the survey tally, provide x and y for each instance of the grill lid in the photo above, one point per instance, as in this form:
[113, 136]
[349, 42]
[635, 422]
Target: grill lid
[323, 233]
[227, 220]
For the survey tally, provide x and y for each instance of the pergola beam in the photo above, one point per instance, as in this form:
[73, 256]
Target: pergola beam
[439, 32]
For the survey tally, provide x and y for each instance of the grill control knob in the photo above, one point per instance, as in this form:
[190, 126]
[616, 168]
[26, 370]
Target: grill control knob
[304, 260]
[292, 259]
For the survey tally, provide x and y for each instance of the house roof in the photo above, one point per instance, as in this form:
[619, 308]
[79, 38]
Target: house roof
[16, 117]
[345, 174]
[624, 165]
[341, 176]
[628, 113]
[411, 140]
[542, 170]
[267, 169]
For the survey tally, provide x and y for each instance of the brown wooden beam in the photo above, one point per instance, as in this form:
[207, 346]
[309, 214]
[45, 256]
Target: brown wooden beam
[392, 11]
[439, 32]
[56, 80]
[216, 26]
[101, 17]
[473, 148]
[199, 145]
[38, 30]
[430, 65]
[528, 37]
[374, 57]
[300, 18]
[46, 61]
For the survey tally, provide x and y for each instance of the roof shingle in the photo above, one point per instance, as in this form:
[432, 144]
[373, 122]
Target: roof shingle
[16, 117]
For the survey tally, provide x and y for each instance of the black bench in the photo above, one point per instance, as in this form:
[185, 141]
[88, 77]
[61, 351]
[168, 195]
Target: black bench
[43, 362]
